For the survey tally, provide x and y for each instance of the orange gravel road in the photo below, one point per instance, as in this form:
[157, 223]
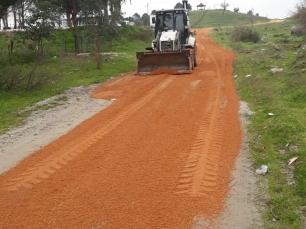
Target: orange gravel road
[158, 157]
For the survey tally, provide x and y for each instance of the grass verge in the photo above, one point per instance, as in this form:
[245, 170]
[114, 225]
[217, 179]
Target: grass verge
[270, 75]
[216, 18]
[67, 70]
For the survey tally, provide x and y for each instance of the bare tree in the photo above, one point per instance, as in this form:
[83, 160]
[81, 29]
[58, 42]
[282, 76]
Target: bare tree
[224, 5]
[250, 15]
[299, 14]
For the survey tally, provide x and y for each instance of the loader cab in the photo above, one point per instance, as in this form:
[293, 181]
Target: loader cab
[177, 19]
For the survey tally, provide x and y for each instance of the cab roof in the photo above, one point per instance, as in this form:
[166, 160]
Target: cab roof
[171, 10]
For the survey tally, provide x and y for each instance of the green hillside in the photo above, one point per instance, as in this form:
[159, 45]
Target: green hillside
[216, 18]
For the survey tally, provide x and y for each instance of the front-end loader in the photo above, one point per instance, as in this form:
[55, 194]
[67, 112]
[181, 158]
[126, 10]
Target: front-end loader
[174, 47]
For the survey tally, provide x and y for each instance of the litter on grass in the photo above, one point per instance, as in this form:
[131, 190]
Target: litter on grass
[292, 160]
[262, 170]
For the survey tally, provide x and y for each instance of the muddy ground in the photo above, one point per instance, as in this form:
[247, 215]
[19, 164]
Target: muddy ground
[166, 152]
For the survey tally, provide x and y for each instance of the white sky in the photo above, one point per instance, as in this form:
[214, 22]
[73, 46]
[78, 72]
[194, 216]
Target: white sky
[267, 8]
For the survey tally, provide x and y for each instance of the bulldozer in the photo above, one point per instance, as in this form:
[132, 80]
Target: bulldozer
[174, 48]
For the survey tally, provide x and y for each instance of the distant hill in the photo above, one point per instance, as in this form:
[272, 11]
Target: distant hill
[215, 18]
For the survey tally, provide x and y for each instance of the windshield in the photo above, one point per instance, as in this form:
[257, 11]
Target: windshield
[165, 20]
[180, 22]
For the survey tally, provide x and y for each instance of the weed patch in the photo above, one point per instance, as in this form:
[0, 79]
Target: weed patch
[245, 34]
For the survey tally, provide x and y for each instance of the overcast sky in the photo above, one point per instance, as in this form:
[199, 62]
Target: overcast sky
[267, 8]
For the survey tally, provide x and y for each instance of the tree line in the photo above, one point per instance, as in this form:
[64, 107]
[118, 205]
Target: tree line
[38, 17]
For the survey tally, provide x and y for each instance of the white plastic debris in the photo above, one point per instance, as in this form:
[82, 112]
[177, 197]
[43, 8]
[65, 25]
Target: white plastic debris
[235, 76]
[113, 99]
[248, 76]
[277, 70]
[262, 170]
[271, 114]
[292, 160]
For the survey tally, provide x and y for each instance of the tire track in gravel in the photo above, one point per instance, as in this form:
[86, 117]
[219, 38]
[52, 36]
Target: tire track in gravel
[60, 157]
[200, 171]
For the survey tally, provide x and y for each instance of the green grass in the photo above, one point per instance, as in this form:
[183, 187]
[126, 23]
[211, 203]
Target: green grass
[274, 140]
[67, 72]
[216, 18]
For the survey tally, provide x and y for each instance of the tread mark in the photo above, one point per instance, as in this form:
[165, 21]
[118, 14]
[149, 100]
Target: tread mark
[206, 150]
[62, 156]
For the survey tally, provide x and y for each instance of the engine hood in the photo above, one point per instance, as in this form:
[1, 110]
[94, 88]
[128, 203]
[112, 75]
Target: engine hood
[169, 34]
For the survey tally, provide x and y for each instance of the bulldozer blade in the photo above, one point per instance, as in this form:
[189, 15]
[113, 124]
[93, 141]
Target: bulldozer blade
[150, 63]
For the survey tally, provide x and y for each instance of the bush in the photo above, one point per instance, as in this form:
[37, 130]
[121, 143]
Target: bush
[299, 61]
[25, 78]
[245, 34]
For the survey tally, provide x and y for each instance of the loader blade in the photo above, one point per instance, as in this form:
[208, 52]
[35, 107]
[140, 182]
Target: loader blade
[170, 62]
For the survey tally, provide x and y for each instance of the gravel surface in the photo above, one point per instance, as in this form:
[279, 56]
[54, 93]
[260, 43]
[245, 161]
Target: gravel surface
[44, 126]
[132, 164]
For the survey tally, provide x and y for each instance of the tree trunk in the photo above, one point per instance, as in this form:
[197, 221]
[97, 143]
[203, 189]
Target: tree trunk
[68, 15]
[15, 17]
[97, 53]
[6, 19]
[4, 23]
[105, 9]
[75, 26]
[22, 14]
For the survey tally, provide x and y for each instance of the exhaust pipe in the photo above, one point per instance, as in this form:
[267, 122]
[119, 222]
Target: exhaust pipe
[185, 3]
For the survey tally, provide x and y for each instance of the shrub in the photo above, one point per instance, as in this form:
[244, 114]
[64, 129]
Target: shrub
[245, 34]
[299, 61]
[25, 77]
